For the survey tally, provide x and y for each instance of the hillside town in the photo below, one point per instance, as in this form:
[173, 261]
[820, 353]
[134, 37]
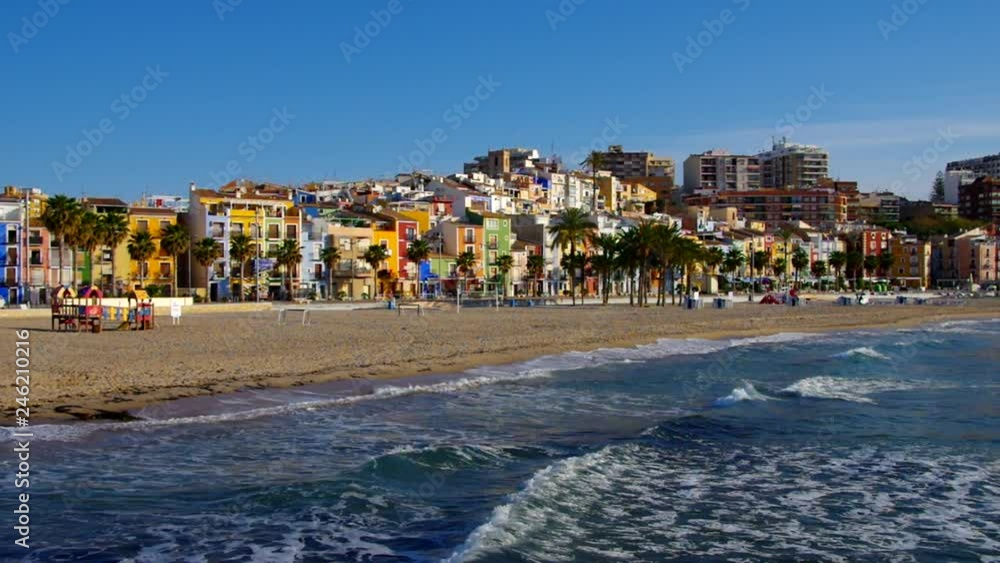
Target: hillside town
[516, 223]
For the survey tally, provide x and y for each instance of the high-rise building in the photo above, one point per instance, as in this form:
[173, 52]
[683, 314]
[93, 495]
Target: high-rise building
[981, 166]
[793, 166]
[980, 200]
[717, 170]
[954, 179]
[655, 172]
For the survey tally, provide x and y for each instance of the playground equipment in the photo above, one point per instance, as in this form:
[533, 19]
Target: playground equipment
[83, 310]
[138, 315]
[72, 311]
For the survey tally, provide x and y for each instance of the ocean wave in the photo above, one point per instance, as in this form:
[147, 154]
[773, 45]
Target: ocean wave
[864, 352]
[846, 389]
[745, 392]
[67, 432]
[665, 502]
[540, 505]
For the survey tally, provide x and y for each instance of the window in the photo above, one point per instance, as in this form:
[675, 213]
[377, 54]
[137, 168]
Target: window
[345, 243]
[217, 230]
[384, 244]
[452, 269]
[164, 224]
[142, 226]
[165, 270]
[273, 231]
[470, 235]
[318, 271]
[11, 235]
[272, 249]
[291, 231]
[492, 224]
[36, 257]
[470, 248]
[493, 243]
[411, 234]
[236, 228]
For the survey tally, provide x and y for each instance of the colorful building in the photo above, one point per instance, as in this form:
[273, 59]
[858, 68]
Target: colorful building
[159, 269]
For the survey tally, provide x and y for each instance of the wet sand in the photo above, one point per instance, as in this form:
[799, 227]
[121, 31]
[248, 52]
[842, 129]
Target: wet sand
[86, 376]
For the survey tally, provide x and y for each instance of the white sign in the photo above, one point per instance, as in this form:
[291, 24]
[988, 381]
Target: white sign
[175, 311]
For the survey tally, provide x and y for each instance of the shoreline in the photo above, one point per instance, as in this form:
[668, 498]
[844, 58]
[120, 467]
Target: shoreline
[479, 344]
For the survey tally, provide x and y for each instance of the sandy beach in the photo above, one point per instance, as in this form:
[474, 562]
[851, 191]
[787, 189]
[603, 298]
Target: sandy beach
[86, 376]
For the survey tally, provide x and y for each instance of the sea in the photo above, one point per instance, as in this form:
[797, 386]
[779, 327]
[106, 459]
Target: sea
[870, 445]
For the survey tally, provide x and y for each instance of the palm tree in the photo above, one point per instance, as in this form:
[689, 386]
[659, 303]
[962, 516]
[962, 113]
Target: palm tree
[837, 262]
[206, 251]
[288, 254]
[779, 265]
[818, 270]
[573, 228]
[536, 269]
[466, 263]
[885, 261]
[330, 255]
[374, 256]
[61, 215]
[688, 254]
[175, 240]
[800, 261]
[605, 262]
[733, 262]
[505, 264]
[665, 245]
[594, 161]
[854, 262]
[419, 251]
[761, 261]
[140, 248]
[714, 257]
[870, 265]
[88, 237]
[638, 245]
[114, 231]
[240, 250]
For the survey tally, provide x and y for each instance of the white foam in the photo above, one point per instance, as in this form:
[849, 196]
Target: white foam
[66, 432]
[845, 389]
[864, 351]
[745, 392]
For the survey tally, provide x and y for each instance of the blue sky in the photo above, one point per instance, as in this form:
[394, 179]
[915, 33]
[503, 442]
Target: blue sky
[211, 75]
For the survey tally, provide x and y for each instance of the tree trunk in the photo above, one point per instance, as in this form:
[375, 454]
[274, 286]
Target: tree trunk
[61, 244]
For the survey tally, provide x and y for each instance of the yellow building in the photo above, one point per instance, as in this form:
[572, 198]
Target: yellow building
[911, 262]
[158, 269]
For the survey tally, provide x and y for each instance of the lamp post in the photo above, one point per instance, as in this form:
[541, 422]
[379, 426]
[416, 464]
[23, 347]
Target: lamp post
[752, 270]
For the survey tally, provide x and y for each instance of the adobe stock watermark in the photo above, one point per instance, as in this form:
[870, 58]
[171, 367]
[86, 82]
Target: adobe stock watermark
[223, 7]
[364, 35]
[253, 146]
[899, 17]
[122, 106]
[30, 27]
[792, 121]
[921, 163]
[613, 129]
[566, 8]
[455, 116]
[696, 44]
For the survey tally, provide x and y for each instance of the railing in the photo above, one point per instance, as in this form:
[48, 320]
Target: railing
[36, 241]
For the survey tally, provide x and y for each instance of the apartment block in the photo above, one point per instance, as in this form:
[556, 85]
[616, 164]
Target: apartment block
[980, 200]
[793, 166]
[911, 262]
[717, 170]
[657, 173]
[815, 207]
[981, 166]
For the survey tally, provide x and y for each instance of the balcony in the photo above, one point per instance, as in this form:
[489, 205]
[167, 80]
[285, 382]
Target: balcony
[35, 241]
